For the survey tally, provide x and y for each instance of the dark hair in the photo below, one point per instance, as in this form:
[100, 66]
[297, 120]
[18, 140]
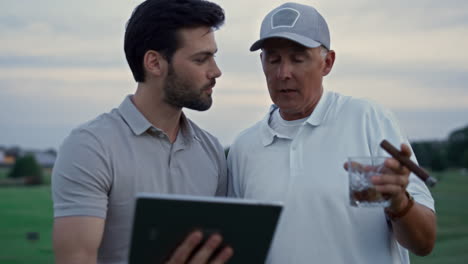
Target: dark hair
[154, 25]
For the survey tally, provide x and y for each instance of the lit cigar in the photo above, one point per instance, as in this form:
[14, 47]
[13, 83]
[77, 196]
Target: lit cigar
[430, 181]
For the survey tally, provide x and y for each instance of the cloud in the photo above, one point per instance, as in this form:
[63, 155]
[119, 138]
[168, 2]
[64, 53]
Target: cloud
[434, 48]
[54, 61]
[41, 39]
[62, 65]
[431, 124]
[67, 74]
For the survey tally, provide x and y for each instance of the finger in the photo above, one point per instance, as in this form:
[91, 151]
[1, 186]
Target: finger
[390, 179]
[390, 190]
[388, 167]
[207, 250]
[223, 256]
[396, 167]
[372, 168]
[353, 165]
[182, 253]
[406, 150]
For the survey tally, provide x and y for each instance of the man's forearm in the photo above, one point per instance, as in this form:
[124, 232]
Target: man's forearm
[77, 239]
[416, 230]
[77, 258]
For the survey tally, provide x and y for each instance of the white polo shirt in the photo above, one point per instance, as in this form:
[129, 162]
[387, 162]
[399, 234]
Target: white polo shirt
[318, 225]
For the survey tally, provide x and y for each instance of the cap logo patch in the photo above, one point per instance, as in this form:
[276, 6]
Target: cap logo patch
[285, 17]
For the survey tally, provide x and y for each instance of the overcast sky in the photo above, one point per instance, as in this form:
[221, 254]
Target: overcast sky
[62, 63]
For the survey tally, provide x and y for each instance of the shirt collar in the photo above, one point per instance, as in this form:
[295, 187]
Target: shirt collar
[318, 115]
[187, 130]
[139, 124]
[267, 133]
[133, 117]
[315, 119]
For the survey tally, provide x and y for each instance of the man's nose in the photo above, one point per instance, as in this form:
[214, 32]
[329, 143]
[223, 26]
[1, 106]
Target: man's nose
[214, 72]
[284, 71]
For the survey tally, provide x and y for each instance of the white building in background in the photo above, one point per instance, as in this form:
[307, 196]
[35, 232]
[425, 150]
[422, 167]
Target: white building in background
[45, 159]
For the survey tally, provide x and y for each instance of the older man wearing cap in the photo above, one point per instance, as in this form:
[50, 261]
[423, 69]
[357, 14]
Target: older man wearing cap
[296, 155]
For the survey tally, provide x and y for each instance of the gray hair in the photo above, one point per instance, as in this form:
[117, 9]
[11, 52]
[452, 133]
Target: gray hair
[323, 51]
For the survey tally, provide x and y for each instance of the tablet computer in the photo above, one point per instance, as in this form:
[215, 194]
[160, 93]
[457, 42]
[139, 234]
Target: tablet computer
[162, 222]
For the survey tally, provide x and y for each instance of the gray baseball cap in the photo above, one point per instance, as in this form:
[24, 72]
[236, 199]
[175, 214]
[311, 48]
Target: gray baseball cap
[299, 23]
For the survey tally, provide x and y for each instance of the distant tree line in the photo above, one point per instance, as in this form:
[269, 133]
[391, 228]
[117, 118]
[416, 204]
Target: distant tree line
[440, 155]
[27, 169]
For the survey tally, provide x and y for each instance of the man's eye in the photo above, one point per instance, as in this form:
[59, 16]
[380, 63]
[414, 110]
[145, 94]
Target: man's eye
[273, 60]
[200, 60]
[298, 59]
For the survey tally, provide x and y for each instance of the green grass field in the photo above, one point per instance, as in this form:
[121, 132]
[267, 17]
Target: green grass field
[451, 195]
[29, 209]
[23, 210]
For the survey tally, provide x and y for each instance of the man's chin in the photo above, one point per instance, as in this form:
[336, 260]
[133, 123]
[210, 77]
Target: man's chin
[199, 109]
[200, 106]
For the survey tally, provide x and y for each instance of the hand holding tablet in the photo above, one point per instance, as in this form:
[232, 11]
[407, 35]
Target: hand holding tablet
[175, 228]
[198, 253]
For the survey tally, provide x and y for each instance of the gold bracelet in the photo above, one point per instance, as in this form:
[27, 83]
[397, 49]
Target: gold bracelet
[404, 211]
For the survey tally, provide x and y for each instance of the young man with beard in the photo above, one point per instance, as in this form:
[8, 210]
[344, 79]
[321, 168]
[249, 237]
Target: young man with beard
[146, 144]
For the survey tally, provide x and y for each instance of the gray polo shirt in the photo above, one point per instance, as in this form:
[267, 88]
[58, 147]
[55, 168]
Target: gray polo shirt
[103, 163]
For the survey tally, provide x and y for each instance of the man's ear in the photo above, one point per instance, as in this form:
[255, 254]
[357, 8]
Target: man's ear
[155, 63]
[261, 60]
[329, 61]
[262, 56]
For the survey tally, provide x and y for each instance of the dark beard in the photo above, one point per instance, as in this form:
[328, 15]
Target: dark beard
[180, 93]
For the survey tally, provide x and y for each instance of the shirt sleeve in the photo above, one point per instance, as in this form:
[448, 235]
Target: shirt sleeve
[81, 177]
[221, 190]
[384, 125]
[234, 189]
